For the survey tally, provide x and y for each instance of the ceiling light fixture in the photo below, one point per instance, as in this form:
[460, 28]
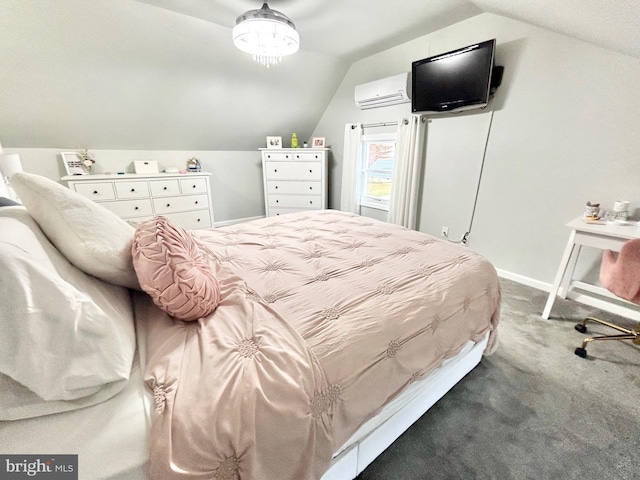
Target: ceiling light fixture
[267, 34]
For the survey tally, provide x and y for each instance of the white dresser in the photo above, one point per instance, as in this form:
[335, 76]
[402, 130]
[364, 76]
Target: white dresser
[183, 198]
[294, 179]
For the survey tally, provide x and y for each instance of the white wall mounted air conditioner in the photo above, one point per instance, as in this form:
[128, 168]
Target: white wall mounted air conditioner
[383, 92]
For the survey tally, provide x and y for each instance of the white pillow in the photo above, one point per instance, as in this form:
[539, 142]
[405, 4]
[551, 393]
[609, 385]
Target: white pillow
[67, 339]
[94, 239]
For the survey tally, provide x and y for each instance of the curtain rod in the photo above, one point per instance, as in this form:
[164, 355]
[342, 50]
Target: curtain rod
[382, 124]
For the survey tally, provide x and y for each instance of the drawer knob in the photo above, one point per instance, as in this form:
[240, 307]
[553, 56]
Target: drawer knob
[310, 171]
[168, 204]
[276, 187]
[196, 202]
[310, 188]
[164, 188]
[198, 220]
[95, 192]
[277, 201]
[193, 186]
[311, 202]
[133, 189]
[275, 170]
[136, 208]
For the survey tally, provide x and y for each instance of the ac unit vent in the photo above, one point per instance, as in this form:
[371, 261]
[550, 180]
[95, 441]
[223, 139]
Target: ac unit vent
[386, 91]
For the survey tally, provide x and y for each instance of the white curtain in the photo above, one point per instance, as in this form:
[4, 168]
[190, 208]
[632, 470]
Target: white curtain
[349, 201]
[410, 151]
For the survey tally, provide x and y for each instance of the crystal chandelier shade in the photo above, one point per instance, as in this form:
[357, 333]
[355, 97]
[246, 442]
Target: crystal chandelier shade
[266, 34]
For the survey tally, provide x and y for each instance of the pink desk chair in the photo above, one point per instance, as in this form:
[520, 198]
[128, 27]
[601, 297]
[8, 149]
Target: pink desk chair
[620, 274]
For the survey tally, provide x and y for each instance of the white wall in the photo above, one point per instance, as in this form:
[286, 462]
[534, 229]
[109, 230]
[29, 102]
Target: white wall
[236, 180]
[455, 149]
[564, 132]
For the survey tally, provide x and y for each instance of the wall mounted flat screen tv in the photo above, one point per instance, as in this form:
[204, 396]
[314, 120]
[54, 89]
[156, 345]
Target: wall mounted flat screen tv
[453, 81]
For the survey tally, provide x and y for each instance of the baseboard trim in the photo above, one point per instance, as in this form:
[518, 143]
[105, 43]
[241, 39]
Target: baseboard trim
[530, 282]
[226, 223]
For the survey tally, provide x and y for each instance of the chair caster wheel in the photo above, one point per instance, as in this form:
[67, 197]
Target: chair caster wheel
[581, 352]
[581, 328]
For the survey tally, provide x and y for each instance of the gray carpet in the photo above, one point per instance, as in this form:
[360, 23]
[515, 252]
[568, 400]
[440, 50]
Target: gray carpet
[533, 409]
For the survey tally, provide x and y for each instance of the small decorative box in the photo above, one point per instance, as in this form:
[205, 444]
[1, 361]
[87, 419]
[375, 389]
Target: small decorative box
[146, 166]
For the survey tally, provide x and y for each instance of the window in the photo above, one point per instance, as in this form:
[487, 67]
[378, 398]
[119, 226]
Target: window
[377, 166]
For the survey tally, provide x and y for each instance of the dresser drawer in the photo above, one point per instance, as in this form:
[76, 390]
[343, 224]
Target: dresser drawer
[193, 185]
[96, 191]
[308, 156]
[191, 220]
[277, 156]
[293, 170]
[295, 201]
[130, 208]
[275, 186]
[132, 189]
[163, 206]
[161, 188]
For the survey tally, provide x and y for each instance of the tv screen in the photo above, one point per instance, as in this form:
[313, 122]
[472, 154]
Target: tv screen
[453, 81]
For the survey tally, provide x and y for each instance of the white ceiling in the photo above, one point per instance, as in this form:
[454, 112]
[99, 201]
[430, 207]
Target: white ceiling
[352, 29]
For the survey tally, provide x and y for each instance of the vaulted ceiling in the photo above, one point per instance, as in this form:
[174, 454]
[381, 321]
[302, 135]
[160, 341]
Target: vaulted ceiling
[163, 74]
[356, 28]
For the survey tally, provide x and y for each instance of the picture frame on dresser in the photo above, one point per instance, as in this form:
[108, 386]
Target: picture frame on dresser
[318, 142]
[274, 142]
[72, 162]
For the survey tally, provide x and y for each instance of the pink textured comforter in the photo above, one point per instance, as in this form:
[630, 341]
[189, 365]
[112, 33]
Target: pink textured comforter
[324, 318]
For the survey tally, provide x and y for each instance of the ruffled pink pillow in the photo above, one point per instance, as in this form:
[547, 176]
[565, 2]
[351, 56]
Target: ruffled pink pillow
[171, 269]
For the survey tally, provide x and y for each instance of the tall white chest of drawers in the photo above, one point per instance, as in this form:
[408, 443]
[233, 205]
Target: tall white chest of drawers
[183, 198]
[295, 179]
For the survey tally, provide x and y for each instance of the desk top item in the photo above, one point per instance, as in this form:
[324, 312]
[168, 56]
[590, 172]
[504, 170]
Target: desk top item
[591, 211]
[619, 215]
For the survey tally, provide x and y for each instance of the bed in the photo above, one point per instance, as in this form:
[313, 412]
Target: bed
[307, 343]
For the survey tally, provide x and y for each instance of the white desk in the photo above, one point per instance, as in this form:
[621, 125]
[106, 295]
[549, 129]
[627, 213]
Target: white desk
[605, 237]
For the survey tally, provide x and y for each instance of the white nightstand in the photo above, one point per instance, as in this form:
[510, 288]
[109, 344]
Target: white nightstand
[183, 198]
